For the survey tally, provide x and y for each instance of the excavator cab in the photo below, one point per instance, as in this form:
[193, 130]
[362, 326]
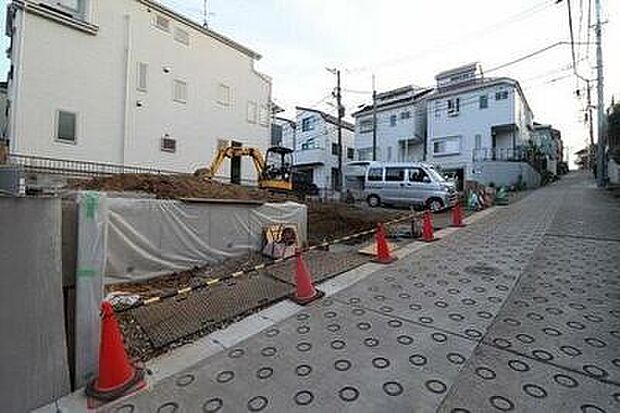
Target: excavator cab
[277, 173]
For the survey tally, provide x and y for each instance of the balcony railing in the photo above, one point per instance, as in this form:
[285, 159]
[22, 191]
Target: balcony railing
[500, 154]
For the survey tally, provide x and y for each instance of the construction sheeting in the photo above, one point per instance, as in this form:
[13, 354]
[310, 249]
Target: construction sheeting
[150, 237]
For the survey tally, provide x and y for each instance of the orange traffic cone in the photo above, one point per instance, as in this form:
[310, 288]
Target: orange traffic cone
[383, 249]
[427, 228]
[117, 376]
[457, 215]
[304, 289]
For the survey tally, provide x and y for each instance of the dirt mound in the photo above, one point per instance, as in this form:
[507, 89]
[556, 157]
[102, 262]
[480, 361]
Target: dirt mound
[174, 187]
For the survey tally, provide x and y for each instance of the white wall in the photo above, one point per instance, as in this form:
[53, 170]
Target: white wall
[88, 74]
[324, 134]
[472, 121]
[389, 148]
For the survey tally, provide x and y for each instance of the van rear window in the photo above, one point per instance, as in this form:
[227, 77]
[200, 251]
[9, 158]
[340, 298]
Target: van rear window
[375, 174]
[395, 174]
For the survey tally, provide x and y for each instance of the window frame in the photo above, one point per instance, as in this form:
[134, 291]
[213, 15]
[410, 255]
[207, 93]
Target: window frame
[454, 106]
[228, 102]
[252, 105]
[375, 178]
[307, 124]
[175, 98]
[501, 95]
[366, 126]
[483, 98]
[156, 21]
[185, 41]
[335, 149]
[406, 114]
[403, 173]
[139, 73]
[445, 139]
[57, 137]
[351, 153]
[393, 120]
[162, 146]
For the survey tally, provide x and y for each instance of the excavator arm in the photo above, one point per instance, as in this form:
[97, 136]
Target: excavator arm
[233, 152]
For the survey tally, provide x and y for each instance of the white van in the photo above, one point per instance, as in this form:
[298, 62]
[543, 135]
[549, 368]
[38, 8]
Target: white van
[408, 184]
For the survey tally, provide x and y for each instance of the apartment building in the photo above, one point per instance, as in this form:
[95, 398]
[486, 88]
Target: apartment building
[130, 82]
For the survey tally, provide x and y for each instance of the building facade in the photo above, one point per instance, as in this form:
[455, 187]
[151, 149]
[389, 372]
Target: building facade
[474, 119]
[400, 130]
[130, 82]
[283, 132]
[315, 147]
[549, 140]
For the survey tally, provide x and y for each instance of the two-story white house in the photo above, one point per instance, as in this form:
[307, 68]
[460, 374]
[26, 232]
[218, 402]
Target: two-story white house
[315, 144]
[400, 130]
[473, 120]
[130, 82]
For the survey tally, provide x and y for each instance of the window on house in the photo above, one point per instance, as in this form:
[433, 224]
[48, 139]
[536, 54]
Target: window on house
[306, 124]
[478, 141]
[393, 120]
[437, 109]
[335, 149]
[484, 102]
[264, 115]
[168, 144]
[405, 115]
[162, 23]
[365, 126]
[310, 144]
[394, 174]
[389, 153]
[454, 106]
[276, 134]
[66, 127]
[375, 174]
[179, 92]
[181, 36]
[142, 76]
[252, 112]
[77, 8]
[501, 95]
[223, 94]
[350, 153]
[447, 146]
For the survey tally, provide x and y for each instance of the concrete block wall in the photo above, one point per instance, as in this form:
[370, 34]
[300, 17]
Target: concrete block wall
[505, 173]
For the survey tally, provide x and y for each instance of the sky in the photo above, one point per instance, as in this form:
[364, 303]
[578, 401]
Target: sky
[406, 42]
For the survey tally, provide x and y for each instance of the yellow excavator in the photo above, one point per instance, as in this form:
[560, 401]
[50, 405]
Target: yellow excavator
[274, 170]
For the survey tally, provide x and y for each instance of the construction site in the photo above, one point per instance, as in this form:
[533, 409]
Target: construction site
[180, 256]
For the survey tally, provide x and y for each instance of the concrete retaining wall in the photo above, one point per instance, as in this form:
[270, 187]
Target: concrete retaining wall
[506, 173]
[33, 352]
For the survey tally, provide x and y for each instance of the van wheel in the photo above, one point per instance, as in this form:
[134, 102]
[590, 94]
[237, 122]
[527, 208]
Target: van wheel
[435, 204]
[373, 201]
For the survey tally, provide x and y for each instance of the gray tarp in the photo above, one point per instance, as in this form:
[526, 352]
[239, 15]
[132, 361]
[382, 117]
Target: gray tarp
[149, 237]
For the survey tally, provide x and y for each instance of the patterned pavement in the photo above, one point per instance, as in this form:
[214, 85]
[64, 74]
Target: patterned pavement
[517, 312]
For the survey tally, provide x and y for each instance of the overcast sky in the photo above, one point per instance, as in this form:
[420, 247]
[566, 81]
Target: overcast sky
[408, 41]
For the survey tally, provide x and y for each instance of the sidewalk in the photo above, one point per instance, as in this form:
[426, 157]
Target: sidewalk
[519, 311]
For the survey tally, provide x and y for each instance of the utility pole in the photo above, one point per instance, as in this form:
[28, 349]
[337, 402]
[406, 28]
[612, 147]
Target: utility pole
[591, 126]
[374, 120]
[600, 153]
[340, 108]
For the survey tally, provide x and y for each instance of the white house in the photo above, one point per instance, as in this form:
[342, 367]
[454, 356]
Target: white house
[316, 147]
[130, 82]
[283, 132]
[474, 119]
[401, 126]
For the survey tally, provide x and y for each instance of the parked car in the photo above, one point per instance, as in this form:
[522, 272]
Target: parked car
[415, 184]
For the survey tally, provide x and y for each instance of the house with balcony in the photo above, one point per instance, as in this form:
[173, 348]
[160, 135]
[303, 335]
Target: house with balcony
[478, 126]
[315, 147]
[132, 83]
[400, 130]
[549, 141]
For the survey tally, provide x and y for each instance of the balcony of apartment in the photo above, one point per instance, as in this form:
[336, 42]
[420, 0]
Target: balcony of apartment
[310, 156]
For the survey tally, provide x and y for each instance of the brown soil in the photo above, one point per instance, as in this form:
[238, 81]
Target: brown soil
[174, 187]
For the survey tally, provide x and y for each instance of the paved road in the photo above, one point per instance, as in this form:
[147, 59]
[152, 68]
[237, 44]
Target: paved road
[517, 312]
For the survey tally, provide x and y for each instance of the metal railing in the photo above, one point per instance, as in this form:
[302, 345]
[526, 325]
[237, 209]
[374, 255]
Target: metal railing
[42, 164]
[517, 154]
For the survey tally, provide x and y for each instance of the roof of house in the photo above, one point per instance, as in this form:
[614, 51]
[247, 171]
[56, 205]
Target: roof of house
[198, 27]
[290, 122]
[394, 103]
[329, 118]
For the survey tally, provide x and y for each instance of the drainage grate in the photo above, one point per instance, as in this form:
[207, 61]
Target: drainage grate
[176, 318]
